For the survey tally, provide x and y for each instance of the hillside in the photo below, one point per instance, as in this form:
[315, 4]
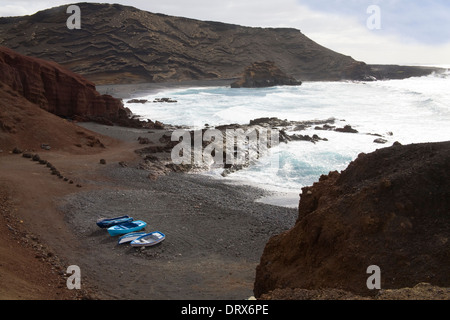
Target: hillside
[121, 44]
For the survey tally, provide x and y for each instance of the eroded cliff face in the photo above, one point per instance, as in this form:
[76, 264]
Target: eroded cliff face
[390, 208]
[56, 89]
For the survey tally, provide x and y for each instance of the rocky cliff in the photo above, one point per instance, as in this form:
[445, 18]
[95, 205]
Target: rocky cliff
[390, 208]
[37, 98]
[56, 89]
[121, 44]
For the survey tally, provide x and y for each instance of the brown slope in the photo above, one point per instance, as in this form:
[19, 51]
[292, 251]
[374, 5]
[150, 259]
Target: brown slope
[26, 126]
[29, 269]
[121, 44]
[390, 208]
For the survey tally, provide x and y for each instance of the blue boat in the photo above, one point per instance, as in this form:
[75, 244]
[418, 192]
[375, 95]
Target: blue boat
[149, 239]
[126, 227]
[131, 236]
[109, 222]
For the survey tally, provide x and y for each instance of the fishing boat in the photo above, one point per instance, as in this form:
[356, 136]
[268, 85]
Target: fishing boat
[149, 239]
[126, 227]
[131, 236]
[109, 222]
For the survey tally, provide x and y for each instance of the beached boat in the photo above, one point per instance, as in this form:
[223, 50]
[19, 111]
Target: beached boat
[109, 222]
[127, 227]
[131, 236]
[149, 239]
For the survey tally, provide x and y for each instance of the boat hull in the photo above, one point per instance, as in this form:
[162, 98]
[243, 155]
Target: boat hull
[109, 222]
[127, 227]
[148, 240]
[131, 236]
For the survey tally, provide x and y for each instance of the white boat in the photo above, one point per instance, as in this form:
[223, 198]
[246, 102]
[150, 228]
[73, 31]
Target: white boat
[149, 239]
[131, 236]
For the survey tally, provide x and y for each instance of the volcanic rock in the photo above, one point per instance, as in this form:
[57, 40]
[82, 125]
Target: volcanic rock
[56, 89]
[30, 88]
[167, 100]
[389, 208]
[380, 141]
[143, 101]
[383, 72]
[347, 129]
[264, 74]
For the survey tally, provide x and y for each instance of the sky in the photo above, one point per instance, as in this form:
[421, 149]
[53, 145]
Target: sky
[373, 31]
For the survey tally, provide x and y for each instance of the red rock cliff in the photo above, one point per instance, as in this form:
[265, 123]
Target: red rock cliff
[390, 208]
[56, 89]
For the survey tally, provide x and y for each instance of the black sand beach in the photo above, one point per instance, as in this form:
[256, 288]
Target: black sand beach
[215, 233]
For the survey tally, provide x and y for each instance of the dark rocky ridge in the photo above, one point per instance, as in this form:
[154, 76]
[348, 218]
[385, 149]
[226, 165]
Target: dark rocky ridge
[382, 72]
[121, 44]
[389, 208]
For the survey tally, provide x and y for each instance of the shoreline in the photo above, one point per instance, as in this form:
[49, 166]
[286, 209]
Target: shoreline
[215, 235]
[272, 197]
[215, 232]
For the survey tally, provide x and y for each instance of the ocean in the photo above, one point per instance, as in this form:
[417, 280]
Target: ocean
[414, 110]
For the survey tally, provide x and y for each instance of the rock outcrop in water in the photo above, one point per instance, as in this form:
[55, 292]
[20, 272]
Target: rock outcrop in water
[389, 208]
[264, 74]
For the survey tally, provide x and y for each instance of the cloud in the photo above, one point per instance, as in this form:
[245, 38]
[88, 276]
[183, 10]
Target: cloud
[423, 22]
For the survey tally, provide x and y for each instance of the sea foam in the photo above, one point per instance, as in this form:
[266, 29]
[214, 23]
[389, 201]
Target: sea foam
[413, 110]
